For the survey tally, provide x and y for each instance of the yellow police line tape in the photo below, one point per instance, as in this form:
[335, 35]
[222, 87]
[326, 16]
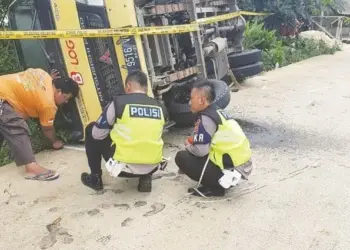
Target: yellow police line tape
[231, 15]
[94, 33]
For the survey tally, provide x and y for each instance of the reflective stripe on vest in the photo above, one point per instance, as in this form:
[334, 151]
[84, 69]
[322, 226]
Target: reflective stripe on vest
[138, 135]
[229, 139]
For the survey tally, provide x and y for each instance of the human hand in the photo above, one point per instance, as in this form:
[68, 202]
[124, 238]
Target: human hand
[57, 145]
[55, 74]
[188, 141]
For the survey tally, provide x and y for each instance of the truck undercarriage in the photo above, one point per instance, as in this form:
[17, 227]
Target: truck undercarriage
[173, 62]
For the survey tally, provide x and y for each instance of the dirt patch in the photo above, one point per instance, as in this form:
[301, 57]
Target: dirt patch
[56, 233]
[127, 222]
[93, 212]
[105, 239]
[140, 203]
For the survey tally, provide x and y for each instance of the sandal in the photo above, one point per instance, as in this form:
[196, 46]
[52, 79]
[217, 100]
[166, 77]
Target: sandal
[46, 176]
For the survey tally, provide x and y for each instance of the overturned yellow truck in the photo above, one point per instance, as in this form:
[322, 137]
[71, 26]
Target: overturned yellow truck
[173, 62]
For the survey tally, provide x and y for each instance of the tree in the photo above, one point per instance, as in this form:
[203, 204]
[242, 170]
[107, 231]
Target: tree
[289, 13]
[4, 6]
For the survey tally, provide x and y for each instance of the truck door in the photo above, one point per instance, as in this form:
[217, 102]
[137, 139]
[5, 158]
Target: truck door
[100, 53]
[92, 62]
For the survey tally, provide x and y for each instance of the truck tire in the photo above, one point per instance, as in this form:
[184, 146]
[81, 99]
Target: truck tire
[177, 102]
[178, 98]
[244, 58]
[246, 71]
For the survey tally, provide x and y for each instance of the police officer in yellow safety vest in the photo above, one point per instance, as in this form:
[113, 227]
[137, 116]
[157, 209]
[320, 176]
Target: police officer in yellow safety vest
[128, 135]
[218, 145]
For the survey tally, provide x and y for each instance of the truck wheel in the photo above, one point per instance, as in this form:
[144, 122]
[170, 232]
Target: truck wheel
[178, 98]
[246, 71]
[177, 102]
[244, 58]
[222, 92]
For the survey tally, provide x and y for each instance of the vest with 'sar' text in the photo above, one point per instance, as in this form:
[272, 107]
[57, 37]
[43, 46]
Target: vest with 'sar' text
[229, 139]
[138, 130]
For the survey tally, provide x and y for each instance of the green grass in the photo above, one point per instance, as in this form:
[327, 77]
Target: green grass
[280, 50]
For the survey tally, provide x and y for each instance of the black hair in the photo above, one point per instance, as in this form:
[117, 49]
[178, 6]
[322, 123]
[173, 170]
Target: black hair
[139, 77]
[208, 89]
[67, 86]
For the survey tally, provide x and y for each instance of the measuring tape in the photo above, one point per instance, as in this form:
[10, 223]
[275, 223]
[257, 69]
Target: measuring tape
[94, 33]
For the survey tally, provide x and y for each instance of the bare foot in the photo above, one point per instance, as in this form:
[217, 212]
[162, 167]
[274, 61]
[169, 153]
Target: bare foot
[34, 171]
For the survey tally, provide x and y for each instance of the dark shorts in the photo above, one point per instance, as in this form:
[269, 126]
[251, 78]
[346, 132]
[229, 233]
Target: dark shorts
[15, 131]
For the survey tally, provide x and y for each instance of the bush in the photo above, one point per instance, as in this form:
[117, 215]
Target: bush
[282, 51]
[8, 64]
[8, 60]
[300, 49]
[257, 37]
[273, 57]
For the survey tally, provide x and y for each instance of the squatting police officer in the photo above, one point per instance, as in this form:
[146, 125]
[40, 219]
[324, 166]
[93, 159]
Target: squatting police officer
[128, 135]
[217, 149]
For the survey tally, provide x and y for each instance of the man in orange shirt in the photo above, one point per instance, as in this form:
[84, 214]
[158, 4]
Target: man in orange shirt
[32, 93]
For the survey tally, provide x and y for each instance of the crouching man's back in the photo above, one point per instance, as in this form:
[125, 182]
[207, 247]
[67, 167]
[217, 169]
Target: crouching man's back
[128, 135]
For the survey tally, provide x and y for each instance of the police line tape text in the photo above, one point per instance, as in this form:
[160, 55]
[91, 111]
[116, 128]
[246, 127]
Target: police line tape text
[94, 33]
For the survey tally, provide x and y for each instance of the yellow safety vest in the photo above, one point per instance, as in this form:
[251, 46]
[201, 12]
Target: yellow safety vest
[229, 139]
[138, 135]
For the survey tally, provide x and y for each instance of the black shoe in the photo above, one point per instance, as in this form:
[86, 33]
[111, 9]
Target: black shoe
[93, 181]
[207, 192]
[145, 184]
